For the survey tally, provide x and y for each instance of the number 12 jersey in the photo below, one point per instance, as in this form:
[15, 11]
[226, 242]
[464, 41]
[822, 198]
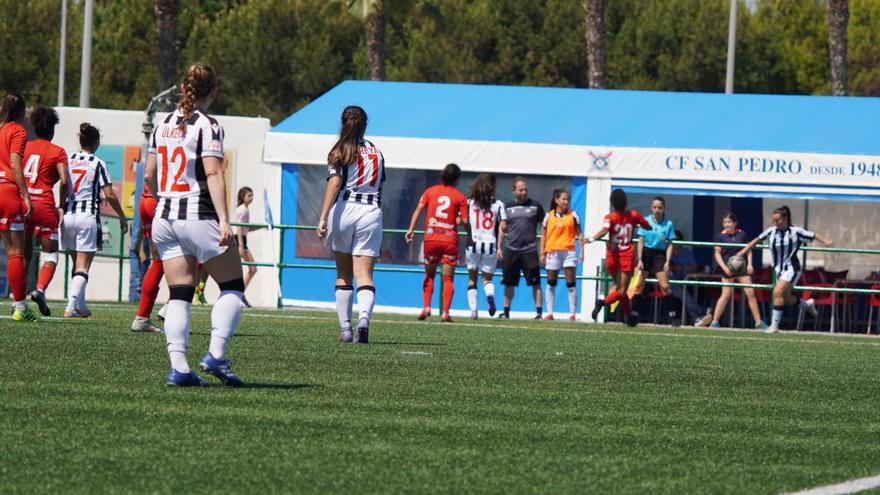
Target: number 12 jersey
[183, 185]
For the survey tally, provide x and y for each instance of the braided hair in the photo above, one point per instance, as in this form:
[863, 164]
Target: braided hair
[198, 83]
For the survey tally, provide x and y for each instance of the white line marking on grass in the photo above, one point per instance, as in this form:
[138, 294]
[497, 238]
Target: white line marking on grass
[838, 339]
[416, 353]
[49, 318]
[852, 486]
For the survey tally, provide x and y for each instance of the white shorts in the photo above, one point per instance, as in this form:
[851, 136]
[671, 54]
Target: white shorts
[790, 275]
[80, 232]
[557, 260]
[485, 263]
[355, 228]
[176, 238]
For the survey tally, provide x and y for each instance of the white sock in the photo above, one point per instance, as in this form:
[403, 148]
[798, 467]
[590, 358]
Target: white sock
[344, 296]
[489, 289]
[76, 285]
[177, 333]
[777, 317]
[551, 298]
[224, 319]
[472, 298]
[366, 301]
[19, 305]
[81, 297]
[572, 299]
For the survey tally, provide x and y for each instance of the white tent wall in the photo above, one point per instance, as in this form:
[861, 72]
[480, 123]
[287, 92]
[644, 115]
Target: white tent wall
[244, 139]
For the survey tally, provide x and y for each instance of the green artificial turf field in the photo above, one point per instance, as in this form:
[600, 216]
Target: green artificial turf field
[482, 406]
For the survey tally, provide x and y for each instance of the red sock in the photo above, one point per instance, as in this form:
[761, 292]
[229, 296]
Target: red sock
[427, 291]
[448, 289]
[613, 296]
[17, 274]
[624, 303]
[150, 288]
[47, 271]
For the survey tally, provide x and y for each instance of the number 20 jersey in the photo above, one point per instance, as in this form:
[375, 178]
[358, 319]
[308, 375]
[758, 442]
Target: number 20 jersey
[621, 227]
[183, 185]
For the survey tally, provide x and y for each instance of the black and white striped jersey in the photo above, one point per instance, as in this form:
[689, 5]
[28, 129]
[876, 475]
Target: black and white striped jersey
[784, 245]
[362, 180]
[183, 185]
[88, 174]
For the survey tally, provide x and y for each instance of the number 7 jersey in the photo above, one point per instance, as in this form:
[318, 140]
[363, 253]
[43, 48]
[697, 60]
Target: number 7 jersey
[183, 184]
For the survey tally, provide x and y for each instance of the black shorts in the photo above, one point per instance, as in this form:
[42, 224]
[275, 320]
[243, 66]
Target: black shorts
[653, 260]
[512, 263]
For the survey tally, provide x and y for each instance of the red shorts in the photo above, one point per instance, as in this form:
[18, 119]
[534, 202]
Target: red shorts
[441, 252]
[11, 207]
[147, 211]
[619, 261]
[44, 221]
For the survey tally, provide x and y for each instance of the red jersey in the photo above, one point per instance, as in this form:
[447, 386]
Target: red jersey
[13, 138]
[40, 169]
[146, 193]
[621, 227]
[444, 206]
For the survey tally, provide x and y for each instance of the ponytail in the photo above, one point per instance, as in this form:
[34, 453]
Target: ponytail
[354, 125]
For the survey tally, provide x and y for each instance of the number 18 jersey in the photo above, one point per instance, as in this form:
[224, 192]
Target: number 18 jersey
[484, 225]
[183, 185]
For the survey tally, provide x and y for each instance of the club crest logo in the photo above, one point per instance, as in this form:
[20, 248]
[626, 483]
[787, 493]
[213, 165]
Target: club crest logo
[601, 161]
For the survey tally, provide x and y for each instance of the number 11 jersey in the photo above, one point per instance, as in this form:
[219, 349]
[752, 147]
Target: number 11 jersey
[183, 185]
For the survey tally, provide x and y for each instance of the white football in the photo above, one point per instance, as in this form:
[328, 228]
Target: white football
[737, 265]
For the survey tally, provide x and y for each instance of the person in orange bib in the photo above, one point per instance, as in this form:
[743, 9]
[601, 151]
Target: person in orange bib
[559, 232]
[446, 207]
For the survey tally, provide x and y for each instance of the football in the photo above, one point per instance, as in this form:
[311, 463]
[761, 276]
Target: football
[737, 265]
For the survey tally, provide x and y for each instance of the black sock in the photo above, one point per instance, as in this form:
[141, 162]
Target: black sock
[506, 310]
[539, 310]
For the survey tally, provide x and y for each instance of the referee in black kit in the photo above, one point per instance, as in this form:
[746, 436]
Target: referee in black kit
[520, 246]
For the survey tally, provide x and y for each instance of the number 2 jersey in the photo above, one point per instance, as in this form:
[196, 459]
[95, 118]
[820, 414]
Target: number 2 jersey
[444, 205]
[41, 160]
[88, 175]
[484, 226]
[362, 180]
[621, 227]
[183, 184]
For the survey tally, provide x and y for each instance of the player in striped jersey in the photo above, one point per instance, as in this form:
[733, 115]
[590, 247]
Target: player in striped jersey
[45, 165]
[81, 226]
[15, 202]
[485, 215]
[351, 219]
[785, 240]
[191, 225]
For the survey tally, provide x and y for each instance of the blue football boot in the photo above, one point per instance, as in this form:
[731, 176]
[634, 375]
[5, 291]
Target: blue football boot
[221, 369]
[178, 379]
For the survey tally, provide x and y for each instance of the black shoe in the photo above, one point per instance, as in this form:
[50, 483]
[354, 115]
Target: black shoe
[538, 317]
[632, 320]
[676, 322]
[40, 299]
[245, 301]
[503, 316]
[599, 304]
[363, 336]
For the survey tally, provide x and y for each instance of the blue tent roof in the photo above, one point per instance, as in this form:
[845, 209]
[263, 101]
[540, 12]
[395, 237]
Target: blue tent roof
[600, 117]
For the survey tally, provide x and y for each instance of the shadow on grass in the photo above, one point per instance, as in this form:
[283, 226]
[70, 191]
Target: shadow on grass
[280, 386]
[373, 342]
[208, 333]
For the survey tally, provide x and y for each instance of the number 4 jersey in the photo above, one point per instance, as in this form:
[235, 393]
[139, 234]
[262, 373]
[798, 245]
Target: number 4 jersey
[183, 185]
[41, 160]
